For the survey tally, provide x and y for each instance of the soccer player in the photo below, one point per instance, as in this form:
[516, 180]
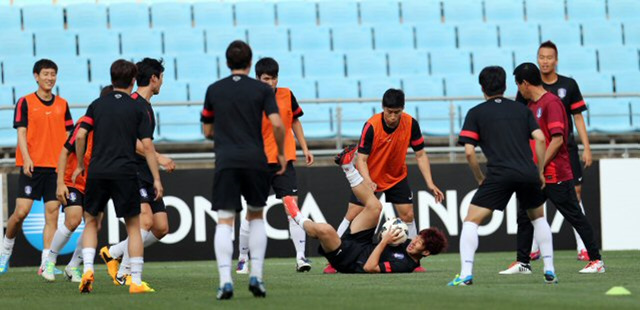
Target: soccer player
[42, 120]
[117, 121]
[567, 89]
[559, 189]
[283, 185]
[153, 214]
[355, 251]
[236, 105]
[503, 128]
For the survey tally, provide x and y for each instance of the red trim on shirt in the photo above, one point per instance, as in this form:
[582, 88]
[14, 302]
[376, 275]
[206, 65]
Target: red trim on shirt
[207, 113]
[87, 120]
[73, 136]
[134, 96]
[364, 133]
[417, 141]
[69, 122]
[555, 125]
[19, 112]
[387, 267]
[578, 104]
[297, 111]
[470, 134]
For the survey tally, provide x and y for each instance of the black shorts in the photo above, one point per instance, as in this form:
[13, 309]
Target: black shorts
[147, 194]
[495, 195]
[285, 184]
[124, 192]
[397, 194]
[231, 183]
[76, 198]
[42, 184]
[352, 253]
[574, 159]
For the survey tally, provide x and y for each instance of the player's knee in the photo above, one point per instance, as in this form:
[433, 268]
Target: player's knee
[579, 192]
[72, 221]
[406, 216]
[374, 204]
[160, 230]
[324, 230]
[19, 215]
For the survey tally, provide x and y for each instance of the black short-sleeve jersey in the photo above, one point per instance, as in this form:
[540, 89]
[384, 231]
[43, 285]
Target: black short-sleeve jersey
[144, 173]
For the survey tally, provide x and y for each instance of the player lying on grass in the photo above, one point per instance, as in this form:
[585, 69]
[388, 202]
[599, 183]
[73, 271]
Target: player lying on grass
[356, 252]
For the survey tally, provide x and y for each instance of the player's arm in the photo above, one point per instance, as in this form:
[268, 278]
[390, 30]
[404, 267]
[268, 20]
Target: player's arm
[62, 192]
[81, 143]
[425, 168]
[20, 122]
[584, 138]
[150, 155]
[164, 161]
[472, 159]
[469, 138]
[541, 149]
[299, 133]
[207, 116]
[278, 133]
[552, 150]
[373, 262]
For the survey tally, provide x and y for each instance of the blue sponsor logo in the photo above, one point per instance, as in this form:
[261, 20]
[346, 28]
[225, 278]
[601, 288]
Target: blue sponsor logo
[34, 224]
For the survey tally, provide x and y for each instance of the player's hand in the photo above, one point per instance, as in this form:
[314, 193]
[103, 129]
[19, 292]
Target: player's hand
[436, 192]
[157, 186]
[79, 170]
[370, 184]
[283, 164]
[62, 192]
[27, 167]
[309, 157]
[586, 158]
[543, 181]
[392, 236]
[167, 163]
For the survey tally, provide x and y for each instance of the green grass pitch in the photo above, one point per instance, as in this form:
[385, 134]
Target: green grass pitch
[191, 285]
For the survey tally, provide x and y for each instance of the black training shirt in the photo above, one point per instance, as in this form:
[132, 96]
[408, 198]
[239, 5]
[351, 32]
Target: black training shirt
[393, 259]
[144, 173]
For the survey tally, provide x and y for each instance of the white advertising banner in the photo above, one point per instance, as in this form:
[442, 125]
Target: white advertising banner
[620, 203]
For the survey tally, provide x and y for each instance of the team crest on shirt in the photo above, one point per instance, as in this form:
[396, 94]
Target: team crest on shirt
[236, 78]
[143, 193]
[73, 197]
[118, 96]
[562, 92]
[398, 255]
[539, 113]
[28, 190]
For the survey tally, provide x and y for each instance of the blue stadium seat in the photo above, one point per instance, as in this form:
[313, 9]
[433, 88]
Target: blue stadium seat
[324, 64]
[519, 34]
[296, 13]
[184, 41]
[422, 87]
[310, 39]
[338, 13]
[42, 17]
[624, 10]
[218, 39]
[99, 42]
[143, 41]
[72, 69]
[593, 83]
[609, 116]
[462, 85]
[430, 36]
[87, 16]
[586, 10]
[290, 63]
[352, 38]
[577, 59]
[477, 35]
[380, 12]
[301, 88]
[129, 16]
[450, 61]
[268, 39]
[213, 14]
[100, 69]
[55, 43]
[504, 11]
[635, 110]
[178, 123]
[632, 33]
[18, 70]
[421, 11]
[332, 88]
[392, 37]
[197, 67]
[77, 93]
[627, 82]
[366, 64]
[23, 89]
[318, 120]
[525, 54]
[171, 15]
[434, 118]
[10, 18]
[602, 34]
[16, 43]
[255, 14]
[545, 10]
[467, 11]
[8, 135]
[492, 57]
[618, 59]
[198, 89]
[6, 95]
[408, 63]
[375, 88]
[566, 33]
[172, 92]
[354, 116]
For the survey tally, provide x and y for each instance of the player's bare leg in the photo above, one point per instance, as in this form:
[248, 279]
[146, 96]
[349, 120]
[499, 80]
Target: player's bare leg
[51, 211]
[14, 224]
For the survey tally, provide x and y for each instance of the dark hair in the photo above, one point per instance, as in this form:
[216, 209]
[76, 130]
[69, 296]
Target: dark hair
[44, 64]
[528, 72]
[549, 44]
[122, 73]
[493, 80]
[434, 240]
[268, 66]
[147, 68]
[393, 98]
[105, 90]
[238, 55]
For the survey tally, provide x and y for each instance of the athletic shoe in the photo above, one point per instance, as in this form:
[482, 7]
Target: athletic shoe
[40, 270]
[535, 255]
[419, 269]
[257, 287]
[140, 289]
[243, 267]
[112, 264]
[48, 272]
[303, 265]
[329, 269]
[73, 274]
[594, 266]
[125, 280]
[461, 282]
[57, 271]
[517, 268]
[225, 292]
[86, 284]
[4, 263]
[550, 277]
[583, 255]
[347, 155]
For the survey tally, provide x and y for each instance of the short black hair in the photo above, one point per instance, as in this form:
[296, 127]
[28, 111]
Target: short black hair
[238, 55]
[528, 72]
[44, 64]
[267, 66]
[493, 80]
[147, 68]
[549, 44]
[123, 72]
[393, 98]
[105, 90]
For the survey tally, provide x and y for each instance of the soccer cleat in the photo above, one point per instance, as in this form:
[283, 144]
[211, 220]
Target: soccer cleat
[125, 280]
[461, 282]
[303, 265]
[57, 271]
[243, 267]
[140, 289]
[347, 155]
[535, 255]
[257, 287]
[49, 271]
[225, 292]
[4, 263]
[112, 264]
[329, 269]
[419, 269]
[583, 255]
[73, 274]
[550, 277]
[40, 270]
[517, 268]
[86, 284]
[595, 266]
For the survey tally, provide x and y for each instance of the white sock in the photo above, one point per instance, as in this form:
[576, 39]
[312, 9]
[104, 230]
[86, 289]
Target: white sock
[125, 265]
[44, 256]
[298, 237]
[579, 243]
[7, 245]
[223, 247]
[149, 239]
[88, 254]
[468, 247]
[118, 249]
[413, 231]
[257, 246]
[243, 240]
[343, 227]
[542, 234]
[534, 246]
[352, 174]
[136, 269]
[60, 239]
[76, 258]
